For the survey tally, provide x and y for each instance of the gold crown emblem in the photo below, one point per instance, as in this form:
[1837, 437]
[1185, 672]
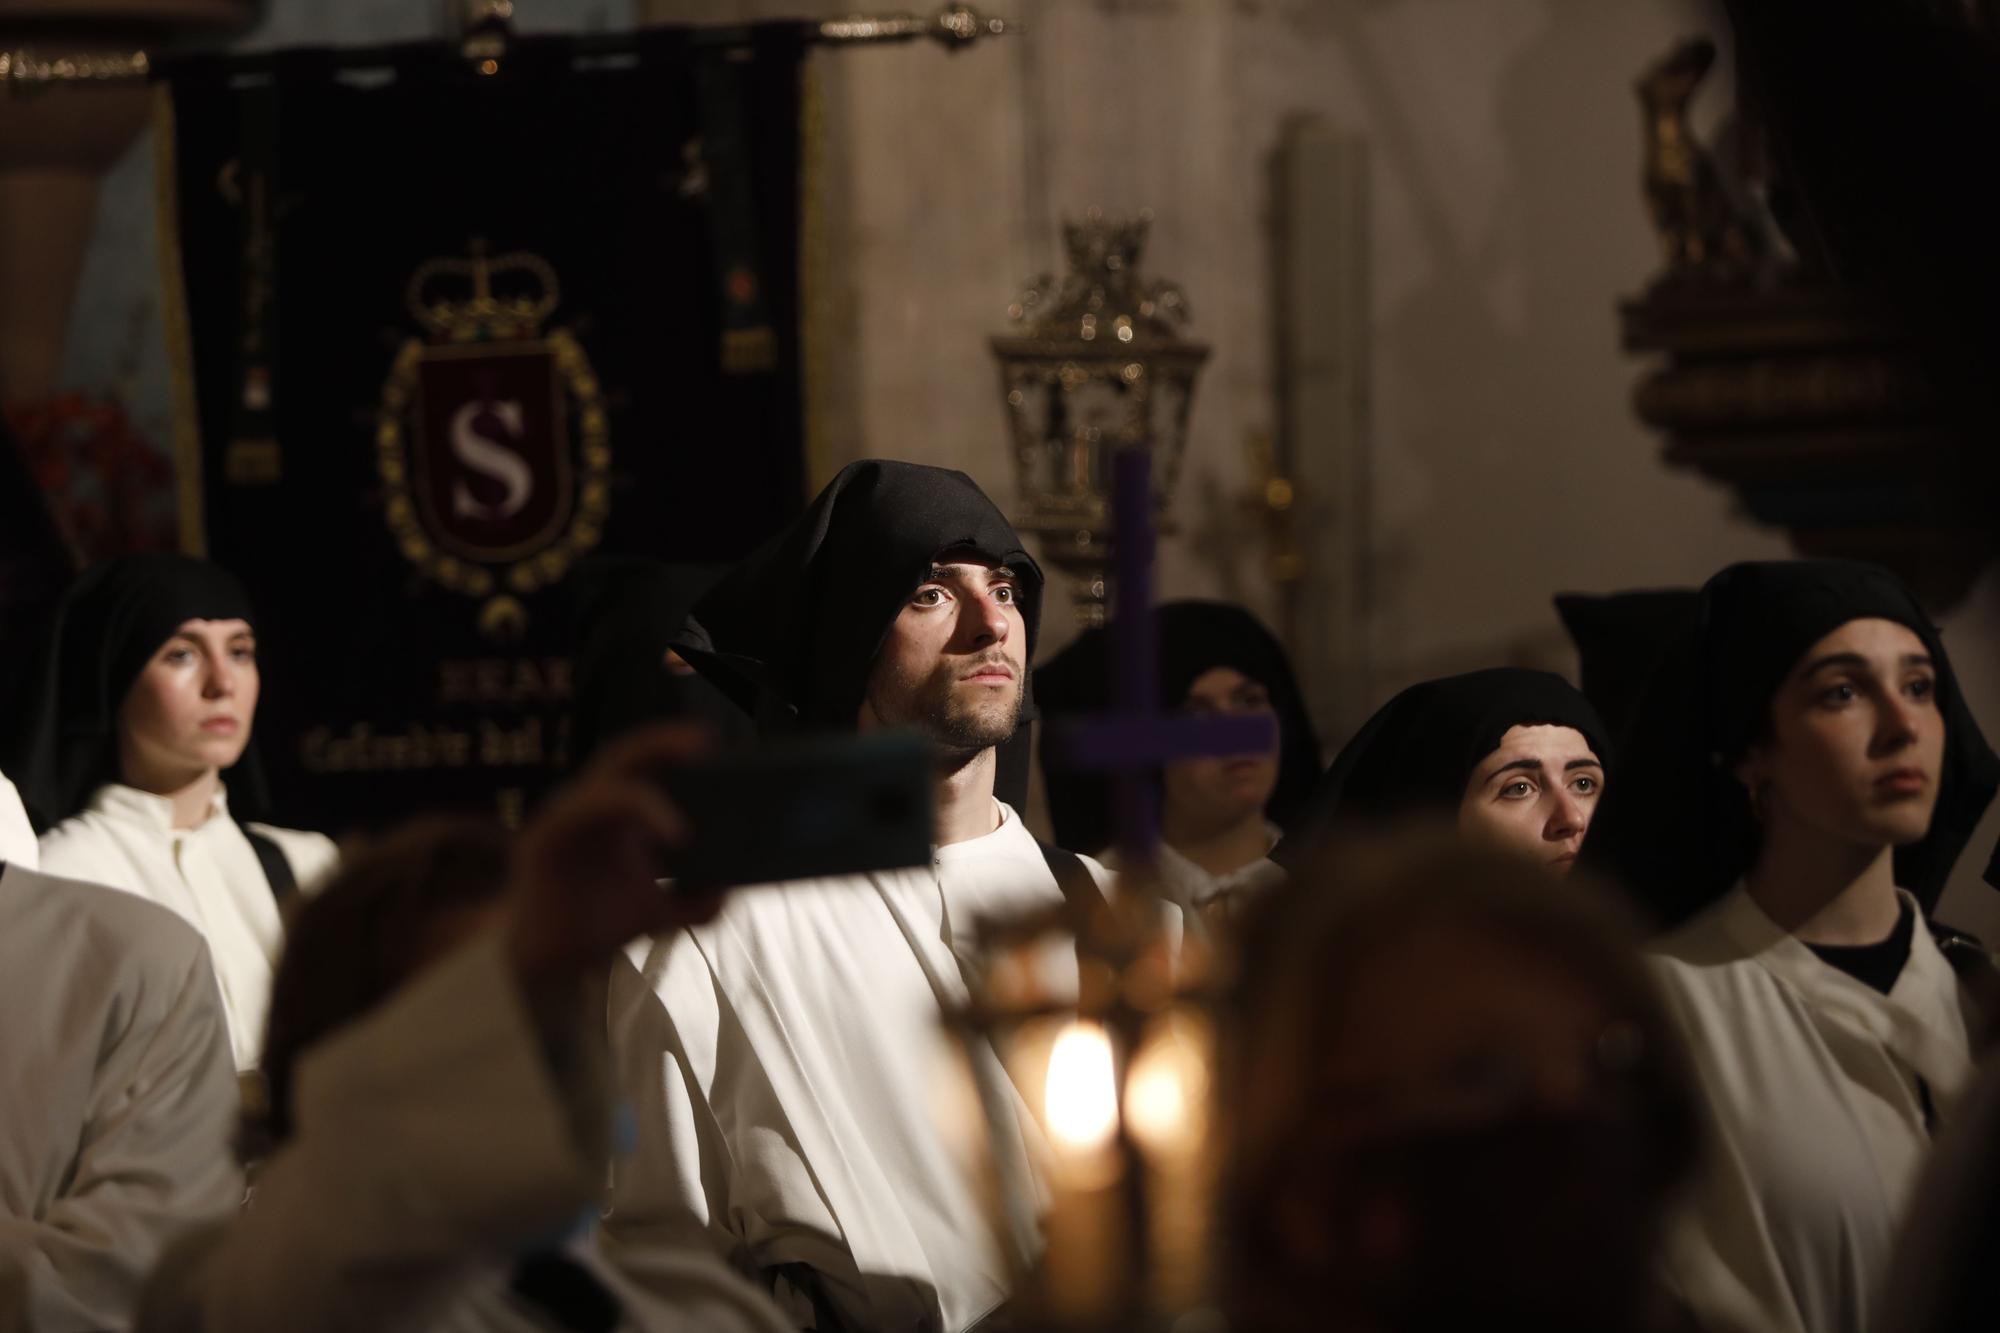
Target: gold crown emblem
[502, 296]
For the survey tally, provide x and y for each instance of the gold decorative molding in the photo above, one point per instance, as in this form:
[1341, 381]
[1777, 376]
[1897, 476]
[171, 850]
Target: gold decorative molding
[953, 27]
[23, 71]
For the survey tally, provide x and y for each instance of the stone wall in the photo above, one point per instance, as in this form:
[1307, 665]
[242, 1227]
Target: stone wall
[1505, 220]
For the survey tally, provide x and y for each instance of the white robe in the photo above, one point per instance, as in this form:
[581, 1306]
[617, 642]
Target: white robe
[431, 1146]
[210, 875]
[1201, 894]
[1811, 1082]
[117, 1098]
[17, 835]
[786, 1063]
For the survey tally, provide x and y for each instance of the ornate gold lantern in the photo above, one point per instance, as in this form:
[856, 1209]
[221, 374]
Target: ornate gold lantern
[1114, 1077]
[1097, 366]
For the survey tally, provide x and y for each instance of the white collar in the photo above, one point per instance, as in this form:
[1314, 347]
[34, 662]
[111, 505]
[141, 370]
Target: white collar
[1006, 832]
[1920, 1017]
[1172, 860]
[129, 805]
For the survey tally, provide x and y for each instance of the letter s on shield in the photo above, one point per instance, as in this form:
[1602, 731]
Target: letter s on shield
[492, 441]
[493, 478]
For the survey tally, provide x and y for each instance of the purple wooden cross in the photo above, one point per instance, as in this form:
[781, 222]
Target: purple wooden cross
[1136, 737]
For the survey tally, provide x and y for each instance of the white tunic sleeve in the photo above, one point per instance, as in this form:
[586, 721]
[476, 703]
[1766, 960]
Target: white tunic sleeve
[118, 1095]
[1719, 1256]
[673, 1184]
[18, 846]
[425, 1136]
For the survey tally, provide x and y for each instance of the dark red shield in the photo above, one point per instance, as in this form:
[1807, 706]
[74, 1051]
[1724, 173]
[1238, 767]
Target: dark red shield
[491, 449]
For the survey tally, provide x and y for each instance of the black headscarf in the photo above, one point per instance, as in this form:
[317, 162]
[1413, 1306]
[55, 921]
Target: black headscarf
[1677, 826]
[1419, 751]
[791, 633]
[1194, 637]
[1619, 639]
[628, 612]
[107, 627]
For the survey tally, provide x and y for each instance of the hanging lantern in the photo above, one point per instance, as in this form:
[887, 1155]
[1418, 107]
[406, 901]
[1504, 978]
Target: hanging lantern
[1098, 365]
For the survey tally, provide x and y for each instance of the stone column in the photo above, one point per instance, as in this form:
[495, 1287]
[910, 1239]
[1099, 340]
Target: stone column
[55, 145]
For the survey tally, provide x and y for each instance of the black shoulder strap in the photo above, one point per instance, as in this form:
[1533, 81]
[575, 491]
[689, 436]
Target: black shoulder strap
[1078, 888]
[1979, 973]
[277, 870]
[1963, 950]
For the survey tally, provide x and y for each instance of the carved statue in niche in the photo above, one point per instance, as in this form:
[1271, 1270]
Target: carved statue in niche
[1703, 231]
[1779, 365]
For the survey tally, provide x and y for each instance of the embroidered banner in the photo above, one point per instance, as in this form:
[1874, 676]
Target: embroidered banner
[449, 333]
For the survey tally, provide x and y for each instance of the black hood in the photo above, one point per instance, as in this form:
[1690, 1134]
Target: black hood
[1194, 637]
[1676, 826]
[1419, 750]
[107, 627]
[791, 633]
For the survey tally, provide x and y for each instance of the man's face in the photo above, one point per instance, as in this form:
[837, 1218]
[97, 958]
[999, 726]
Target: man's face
[954, 662]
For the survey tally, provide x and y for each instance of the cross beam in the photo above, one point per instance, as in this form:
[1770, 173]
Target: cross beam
[1135, 737]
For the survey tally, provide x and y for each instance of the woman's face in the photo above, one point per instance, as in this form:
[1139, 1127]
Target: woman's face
[191, 707]
[1215, 794]
[1535, 793]
[1856, 747]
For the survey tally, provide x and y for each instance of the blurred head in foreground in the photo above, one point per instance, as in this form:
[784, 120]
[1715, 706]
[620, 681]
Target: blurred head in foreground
[1451, 1094]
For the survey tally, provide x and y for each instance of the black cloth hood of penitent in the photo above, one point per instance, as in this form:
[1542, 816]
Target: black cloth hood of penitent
[1419, 750]
[791, 632]
[1194, 637]
[1676, 826]
[108, 625]
[628, 610]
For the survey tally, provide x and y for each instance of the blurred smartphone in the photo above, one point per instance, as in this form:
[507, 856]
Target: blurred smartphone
[804, 809]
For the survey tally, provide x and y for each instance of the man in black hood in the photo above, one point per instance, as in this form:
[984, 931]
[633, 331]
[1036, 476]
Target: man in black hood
[784, 1061]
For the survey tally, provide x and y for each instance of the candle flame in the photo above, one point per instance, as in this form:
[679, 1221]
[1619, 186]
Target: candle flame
[1166, 1091]
[1080, 1100]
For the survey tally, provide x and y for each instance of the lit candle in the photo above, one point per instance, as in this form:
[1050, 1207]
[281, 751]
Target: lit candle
[1080, 1100]
[1085, 1234]
[1166, 1105]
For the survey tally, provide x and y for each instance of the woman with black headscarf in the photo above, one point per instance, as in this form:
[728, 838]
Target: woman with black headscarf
[146, 693]
[1799, 780]
[1513, 756]
[1219, 817]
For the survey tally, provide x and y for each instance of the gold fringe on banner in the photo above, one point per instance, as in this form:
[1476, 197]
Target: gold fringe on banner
[174, 319]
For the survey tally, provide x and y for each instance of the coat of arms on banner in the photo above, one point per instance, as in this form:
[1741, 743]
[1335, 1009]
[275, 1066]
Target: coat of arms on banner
[491, 441]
